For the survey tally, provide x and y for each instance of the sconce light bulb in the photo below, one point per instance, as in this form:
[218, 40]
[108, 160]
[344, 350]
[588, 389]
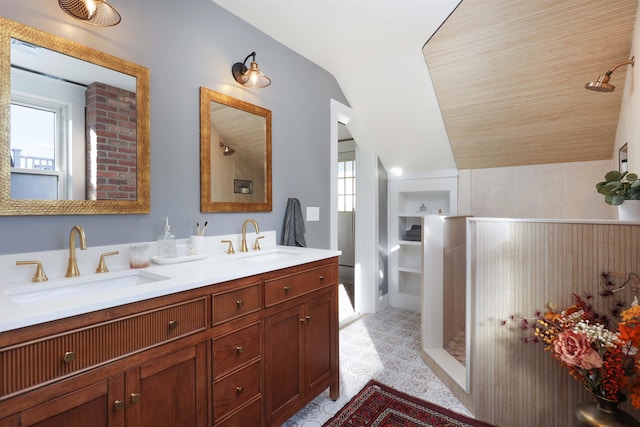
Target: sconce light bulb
[91, 8]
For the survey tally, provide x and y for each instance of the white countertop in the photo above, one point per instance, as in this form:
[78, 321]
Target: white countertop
[215, 268]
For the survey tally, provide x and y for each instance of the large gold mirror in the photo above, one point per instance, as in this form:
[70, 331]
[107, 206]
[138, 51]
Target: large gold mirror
[235, 155]
[74, 127]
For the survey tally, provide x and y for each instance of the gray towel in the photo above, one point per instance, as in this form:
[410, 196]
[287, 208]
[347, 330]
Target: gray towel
[293, 234]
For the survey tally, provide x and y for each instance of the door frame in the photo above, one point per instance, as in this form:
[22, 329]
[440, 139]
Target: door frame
[367, 236]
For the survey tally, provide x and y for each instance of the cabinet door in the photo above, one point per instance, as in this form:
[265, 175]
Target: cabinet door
[170, 391]
[282, 362]
[319, 328]
[97, 405]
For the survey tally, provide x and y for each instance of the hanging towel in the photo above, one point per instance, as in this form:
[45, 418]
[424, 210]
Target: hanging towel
[293, 234]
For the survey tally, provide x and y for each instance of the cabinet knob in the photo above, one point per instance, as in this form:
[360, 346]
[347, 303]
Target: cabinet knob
[240, 303]
[118, 405]
[286, 288]
[239, 389]
[302, 320]
[173, 324]
[69, 356]
[321, 278]
[307, 317]
[239, 349]
[135, 397]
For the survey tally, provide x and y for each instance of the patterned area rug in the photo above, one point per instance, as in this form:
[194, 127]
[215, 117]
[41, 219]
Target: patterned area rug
[378, 405]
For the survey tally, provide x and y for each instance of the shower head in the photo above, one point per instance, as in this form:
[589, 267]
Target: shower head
[602, 84]
[227, 151]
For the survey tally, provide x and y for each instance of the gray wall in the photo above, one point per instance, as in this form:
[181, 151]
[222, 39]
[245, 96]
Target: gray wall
[187, 44]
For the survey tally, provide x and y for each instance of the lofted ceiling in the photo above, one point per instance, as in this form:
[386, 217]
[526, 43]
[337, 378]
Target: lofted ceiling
[509, 77]
[506, 77]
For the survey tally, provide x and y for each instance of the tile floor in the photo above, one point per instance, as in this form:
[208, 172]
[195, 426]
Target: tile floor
[384, 346]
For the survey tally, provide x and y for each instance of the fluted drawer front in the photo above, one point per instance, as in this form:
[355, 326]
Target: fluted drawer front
[40, 361]
[287, 287]
[235, 390]
[235, 303]
[233, 350]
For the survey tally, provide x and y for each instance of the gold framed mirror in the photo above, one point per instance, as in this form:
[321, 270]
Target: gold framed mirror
[235, 154]
[94, 156]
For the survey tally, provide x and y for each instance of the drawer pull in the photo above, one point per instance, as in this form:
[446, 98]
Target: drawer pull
[173, 324]
[321, 278]
[135, 397]
[240, 303]
[69, 357]
[286, 288]
[239, 389]
[239, 349]
[118, 405]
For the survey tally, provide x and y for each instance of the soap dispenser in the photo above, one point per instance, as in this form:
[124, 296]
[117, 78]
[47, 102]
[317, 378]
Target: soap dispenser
[166, 241]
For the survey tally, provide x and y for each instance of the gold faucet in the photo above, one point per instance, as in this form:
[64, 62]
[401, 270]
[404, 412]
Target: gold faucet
[72, 268]
[244, 248]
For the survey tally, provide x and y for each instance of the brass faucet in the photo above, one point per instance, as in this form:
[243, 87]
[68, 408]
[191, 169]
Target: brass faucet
[244, 248]
[72, 268]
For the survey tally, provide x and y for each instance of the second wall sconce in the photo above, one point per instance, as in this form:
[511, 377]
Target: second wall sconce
[602, 84]
[251, 77]
[94, 12]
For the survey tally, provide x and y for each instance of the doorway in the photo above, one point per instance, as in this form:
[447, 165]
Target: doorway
[346, 223]
[366, 247]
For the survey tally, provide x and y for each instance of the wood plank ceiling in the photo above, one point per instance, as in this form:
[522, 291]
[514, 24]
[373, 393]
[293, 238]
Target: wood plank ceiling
[509, 77]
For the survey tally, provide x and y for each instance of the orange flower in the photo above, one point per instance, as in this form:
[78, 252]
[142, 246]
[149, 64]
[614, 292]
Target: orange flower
[573, 309]
[629, 331]
[631, 313]
[551, 316]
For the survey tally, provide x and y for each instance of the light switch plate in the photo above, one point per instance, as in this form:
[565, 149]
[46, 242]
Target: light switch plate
[313, 213]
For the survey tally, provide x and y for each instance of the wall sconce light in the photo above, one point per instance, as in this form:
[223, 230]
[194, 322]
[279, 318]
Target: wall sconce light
[94, 12]
[602, 84]
[226, 150]
[251, 77]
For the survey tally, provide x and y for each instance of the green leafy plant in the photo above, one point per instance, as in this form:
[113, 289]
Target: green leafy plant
[618, 187]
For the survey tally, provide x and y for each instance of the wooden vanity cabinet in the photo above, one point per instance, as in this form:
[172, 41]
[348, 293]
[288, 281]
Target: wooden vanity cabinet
[145, 365]
[301, 340]
[248, 352]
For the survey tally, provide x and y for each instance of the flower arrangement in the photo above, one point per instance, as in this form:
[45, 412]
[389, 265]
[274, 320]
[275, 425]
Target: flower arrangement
[606, 361]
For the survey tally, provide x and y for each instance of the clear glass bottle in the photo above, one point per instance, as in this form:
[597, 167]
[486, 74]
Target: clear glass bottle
[166, 241]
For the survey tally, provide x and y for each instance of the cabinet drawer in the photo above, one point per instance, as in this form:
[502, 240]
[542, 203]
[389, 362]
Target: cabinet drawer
[235, 303]
[233, 350]
[235, 390]
[247, 416]
[287, 287]
[40, 361]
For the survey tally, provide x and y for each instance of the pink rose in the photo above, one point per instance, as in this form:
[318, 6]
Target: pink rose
[575, 350]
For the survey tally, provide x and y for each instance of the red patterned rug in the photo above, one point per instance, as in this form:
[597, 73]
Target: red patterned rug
[378, 405]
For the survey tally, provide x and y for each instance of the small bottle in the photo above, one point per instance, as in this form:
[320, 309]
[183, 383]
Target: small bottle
[166, 241]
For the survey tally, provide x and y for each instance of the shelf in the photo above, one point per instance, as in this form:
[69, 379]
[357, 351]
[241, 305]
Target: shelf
[413, 215]
[410, 270]
[409, 243]
[406, 196]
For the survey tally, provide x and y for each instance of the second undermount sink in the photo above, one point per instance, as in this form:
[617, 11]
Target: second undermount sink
[80, 288]
[267, 255]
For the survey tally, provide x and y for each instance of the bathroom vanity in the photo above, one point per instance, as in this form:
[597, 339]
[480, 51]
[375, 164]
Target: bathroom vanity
[250, 347]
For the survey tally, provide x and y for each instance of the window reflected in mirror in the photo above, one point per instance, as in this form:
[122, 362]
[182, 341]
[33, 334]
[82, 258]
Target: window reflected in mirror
[74, 135]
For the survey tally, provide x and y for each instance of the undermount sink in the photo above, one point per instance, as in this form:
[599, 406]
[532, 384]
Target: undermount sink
[78, 288]
[267, 255]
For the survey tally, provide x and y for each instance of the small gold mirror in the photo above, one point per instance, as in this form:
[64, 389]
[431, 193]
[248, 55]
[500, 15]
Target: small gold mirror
[235, 155]
[91, 110]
